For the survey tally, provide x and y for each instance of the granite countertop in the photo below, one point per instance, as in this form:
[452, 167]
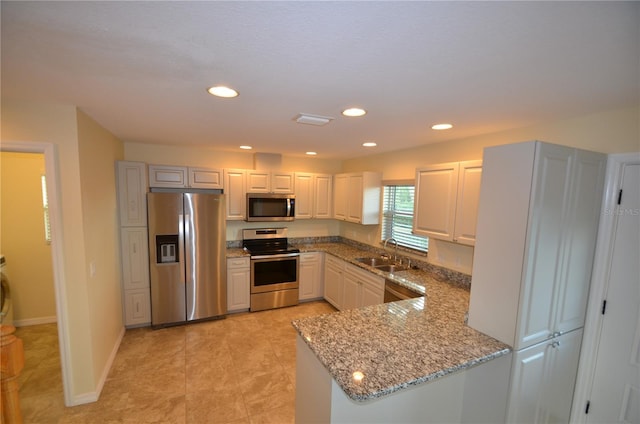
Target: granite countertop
[400, 344]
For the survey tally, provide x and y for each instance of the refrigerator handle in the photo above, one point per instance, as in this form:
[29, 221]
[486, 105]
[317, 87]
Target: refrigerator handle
[183, 236]
[189, 250]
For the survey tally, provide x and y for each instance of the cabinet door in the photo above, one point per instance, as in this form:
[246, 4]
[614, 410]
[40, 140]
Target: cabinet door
[311, 286]
[132, 193]
[135, 257]
[304, 195]
[547, 224]
[168, 176]
[579, 243]
[238, 284]
[468, 198]
[352, 291]
[355, 198]
[543, 379]
[372, 291]
[258, 181]
[322, 199]
[282, 182]
[206, 178]
[235, 195]
[333, 273]
[435, 200]
[137, 307]
[341, 194]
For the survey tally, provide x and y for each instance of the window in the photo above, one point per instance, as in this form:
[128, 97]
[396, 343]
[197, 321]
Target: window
[45, 207]
[397, 217]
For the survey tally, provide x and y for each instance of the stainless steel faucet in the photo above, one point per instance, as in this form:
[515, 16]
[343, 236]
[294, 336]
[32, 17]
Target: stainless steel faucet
[395, 253]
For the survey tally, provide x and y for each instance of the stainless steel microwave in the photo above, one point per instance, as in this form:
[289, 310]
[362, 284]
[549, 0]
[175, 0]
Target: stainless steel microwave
[271, 207]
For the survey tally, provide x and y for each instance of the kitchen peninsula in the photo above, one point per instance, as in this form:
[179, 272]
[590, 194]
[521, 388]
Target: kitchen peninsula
[408, 361]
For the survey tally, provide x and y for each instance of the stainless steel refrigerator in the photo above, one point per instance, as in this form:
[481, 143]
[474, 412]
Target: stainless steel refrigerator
[187, 260]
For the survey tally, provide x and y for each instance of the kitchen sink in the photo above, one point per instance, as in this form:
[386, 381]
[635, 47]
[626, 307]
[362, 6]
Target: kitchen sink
[392, 268]
[375, 262]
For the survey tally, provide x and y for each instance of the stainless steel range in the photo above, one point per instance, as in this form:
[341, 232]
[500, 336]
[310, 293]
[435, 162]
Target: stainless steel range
[274, 268]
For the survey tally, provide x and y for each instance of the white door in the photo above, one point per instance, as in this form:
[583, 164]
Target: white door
[615, 396]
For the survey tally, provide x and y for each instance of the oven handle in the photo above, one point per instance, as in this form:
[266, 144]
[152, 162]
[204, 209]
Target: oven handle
[278, 256]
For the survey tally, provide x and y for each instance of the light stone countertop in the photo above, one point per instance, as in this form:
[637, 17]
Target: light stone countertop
[400, 344]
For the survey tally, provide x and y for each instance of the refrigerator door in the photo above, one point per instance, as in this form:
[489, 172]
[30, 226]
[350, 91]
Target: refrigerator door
[205, 255]
[166, 258]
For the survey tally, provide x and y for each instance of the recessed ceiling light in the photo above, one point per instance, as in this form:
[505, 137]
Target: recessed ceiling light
[354, 111]
[311, 153]
[246, 147]
[222, 91]
[369, 144]
[441, 127]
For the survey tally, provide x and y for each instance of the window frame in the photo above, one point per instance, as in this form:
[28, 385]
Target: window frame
[403, 233]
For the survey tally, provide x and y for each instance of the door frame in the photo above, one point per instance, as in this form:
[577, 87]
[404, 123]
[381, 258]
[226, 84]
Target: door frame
[599, 284]
[57, 249]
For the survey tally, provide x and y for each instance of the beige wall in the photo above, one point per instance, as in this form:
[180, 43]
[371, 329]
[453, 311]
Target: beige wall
[59, 125]
[210, 157]
[22, 239]
[98, 151]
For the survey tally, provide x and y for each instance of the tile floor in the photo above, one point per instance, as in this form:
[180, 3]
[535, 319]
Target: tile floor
[237, 370]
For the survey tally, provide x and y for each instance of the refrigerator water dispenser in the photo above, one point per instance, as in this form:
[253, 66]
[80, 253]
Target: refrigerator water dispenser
[167, 249]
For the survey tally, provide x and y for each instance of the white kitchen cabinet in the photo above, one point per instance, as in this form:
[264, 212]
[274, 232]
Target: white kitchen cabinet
[361, 288]
[137, 307]
[543, 379]
[270, 182]
[235, 193]
[333, 275]
[357, 197]
[166, 176]
[238, 284]
[210, 178]
[532, 267]
[311, 275]
[348, 286]
[132, 193]
[135, 257]
[446, 201]
[313, 195]
[532, 262]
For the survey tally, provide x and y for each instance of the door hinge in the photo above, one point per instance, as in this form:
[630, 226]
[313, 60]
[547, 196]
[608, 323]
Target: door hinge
[604, 306]
[620, 196]
[586, 410]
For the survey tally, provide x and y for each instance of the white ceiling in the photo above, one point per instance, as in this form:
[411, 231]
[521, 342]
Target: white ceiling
[141, 69]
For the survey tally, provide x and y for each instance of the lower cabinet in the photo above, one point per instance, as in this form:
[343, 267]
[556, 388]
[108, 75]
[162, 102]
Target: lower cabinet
[348, 286]
[542, 380]
[310, 277]
[333, 271]
[238, 284]
[137, 309]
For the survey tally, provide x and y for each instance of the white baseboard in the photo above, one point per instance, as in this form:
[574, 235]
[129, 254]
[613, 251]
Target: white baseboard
[34, 321]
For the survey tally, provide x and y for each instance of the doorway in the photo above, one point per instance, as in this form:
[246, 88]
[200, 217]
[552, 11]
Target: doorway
[48, 150]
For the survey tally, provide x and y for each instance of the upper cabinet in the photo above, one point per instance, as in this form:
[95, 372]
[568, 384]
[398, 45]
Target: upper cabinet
[314, 193]
[132, 193]
[270, 182]
[165, 176]
[235, 197]
[446, 201]
[532, 263]
[357, 197]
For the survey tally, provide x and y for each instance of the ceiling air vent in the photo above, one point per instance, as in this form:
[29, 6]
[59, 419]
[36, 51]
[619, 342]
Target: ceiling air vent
[305, 118]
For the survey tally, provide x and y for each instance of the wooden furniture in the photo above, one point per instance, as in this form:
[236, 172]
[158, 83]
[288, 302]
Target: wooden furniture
[11, 365]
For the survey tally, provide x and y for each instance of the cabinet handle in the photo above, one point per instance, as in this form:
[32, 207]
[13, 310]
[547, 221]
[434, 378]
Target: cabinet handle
[555, 344]
[134, 248]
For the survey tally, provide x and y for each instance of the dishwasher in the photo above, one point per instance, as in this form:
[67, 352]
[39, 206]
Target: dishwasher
[394, 291]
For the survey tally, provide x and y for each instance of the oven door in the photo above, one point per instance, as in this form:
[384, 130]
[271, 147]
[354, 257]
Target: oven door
[274, 272]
